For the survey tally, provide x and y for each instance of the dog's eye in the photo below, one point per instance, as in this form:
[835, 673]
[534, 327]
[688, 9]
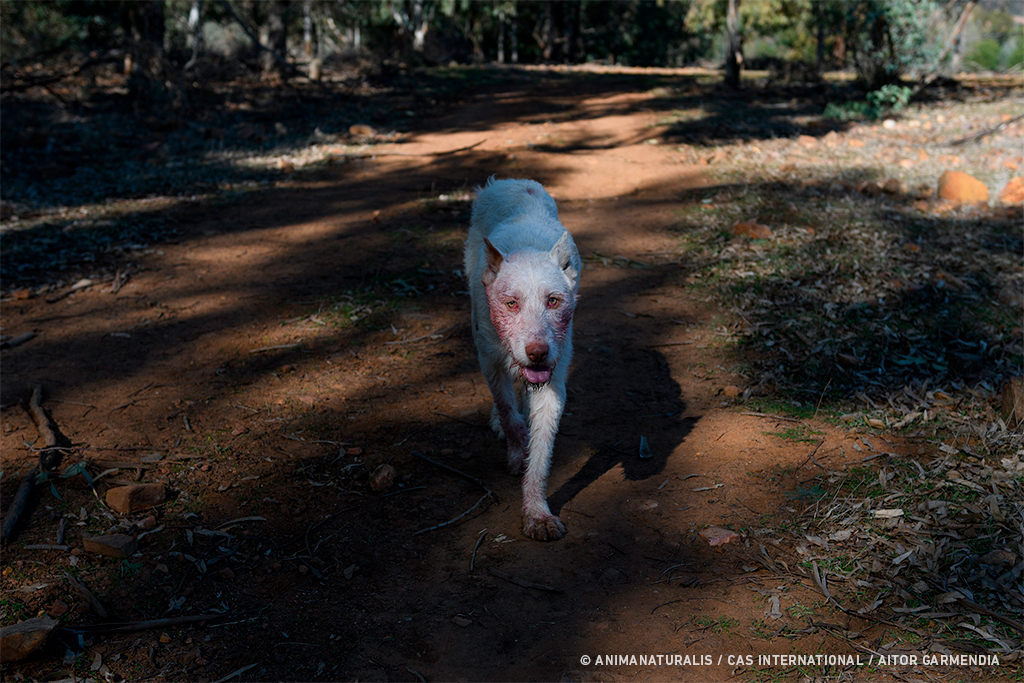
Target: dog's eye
[553, 301]
[512, 304]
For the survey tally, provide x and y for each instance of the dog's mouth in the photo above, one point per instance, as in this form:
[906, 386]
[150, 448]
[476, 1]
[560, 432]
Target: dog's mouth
[535, 374]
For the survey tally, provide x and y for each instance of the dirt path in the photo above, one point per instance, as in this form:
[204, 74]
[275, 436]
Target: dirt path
[286, 346]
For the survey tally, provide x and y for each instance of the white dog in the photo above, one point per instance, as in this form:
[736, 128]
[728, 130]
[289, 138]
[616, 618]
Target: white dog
[524, 271]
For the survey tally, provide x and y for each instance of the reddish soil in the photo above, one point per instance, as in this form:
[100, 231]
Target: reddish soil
[333, 583]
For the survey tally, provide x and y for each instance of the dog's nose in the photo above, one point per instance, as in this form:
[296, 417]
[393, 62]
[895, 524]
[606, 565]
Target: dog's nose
[537, 352]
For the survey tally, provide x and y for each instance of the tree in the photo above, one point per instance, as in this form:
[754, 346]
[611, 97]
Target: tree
[274, 37]
[734, 48]
[413, 18]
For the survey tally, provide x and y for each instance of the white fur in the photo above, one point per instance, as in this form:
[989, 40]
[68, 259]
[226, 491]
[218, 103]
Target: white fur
[524, 291]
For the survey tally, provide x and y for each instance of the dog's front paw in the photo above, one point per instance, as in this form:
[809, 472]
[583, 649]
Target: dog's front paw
[543, 528]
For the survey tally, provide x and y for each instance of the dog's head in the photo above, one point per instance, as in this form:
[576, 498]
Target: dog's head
[532, 295]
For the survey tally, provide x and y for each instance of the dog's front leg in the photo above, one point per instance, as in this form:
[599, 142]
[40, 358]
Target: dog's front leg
[506, 406]
[546, 404]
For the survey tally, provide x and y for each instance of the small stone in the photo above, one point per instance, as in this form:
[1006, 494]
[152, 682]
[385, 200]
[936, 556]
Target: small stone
[716, 536]
[807, 142]
[1013, 192]
[164, 638]
[355, 450]
[227, 573]
[286, 166]
[889, 124]
[349, 571]
[111, 545]
[870, 188]
[383, 478]
[960, 188]
[461, 622]
[854, 142]
[22, 294]
[732, 391]
[612, 577]
[147, 523]
[361, 130]
[19, 641]
[128, 499]
[58, 608]
[922, 155]
[162, 568]
[752, 229]
[894, 186]
[999, 558]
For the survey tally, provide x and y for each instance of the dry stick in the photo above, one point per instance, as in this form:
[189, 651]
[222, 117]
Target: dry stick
[133, 626]
[522, 582]
[17, 341]
[97, 606]
[462, 474]
[472, 560]
[459, 419]
[454, 519]
[774, 417]
[49, 458]
[978, 136]
[426, 336]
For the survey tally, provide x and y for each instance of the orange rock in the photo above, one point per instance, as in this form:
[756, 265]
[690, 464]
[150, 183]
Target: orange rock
[922, 155]
[752, 229]
[870, 188]
[854, 142]
[961, 188]
[1013, 193]
[894, 186]
[807, 141]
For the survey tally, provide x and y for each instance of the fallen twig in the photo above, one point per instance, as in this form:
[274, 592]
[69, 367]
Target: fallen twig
[130, 627]
[421, 338]
[54, 442]
[455, 519]
[97, 606]
[472, 560]
[18, 340]
[276, 348]
[468, 477]
[522, 582]
[18, 502]
[458, 419]
[236, 673]
[774, 417]
[990, 131]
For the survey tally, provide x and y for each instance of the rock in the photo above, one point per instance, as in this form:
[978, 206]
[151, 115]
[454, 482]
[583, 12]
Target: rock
[922, 155]
[361, 130]
[807, 142]
[612, 577]
[889, 124]
[961, 188]
[19, 641]
[752, 229]
[1013, 192]
[58, 608]
[732, 391]
[999, 558]
[854, 142]
[228, 574]
[127, 499]
[870, 188]
[1013, 402]
[894, 186]
[285, 166]
[1012, 295]
[461, 622]
[718, 536]
[383, 478]
[111, 545]
[22, 294]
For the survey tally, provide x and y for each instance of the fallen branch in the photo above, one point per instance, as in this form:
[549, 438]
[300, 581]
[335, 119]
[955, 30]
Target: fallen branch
[97, 606]
[522, 582]
[19, 502]
[468, 477]
[472, 560]
[133, 626]
[455, 519]
[17, 341]
[54, 442]
[990, 131]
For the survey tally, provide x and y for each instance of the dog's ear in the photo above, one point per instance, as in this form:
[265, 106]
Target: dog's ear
[562, 254]
[494, 261]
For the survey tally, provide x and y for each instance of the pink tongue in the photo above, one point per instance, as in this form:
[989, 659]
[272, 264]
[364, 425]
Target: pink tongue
[537, 374]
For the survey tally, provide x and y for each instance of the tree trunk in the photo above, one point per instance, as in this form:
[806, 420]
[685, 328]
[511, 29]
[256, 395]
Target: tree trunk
[820, 62]
[548, 32]
[501, 37]
[573, 32]
[307, 28]
[274, 36]
[195, 25]
[734, 53]
[514, 31]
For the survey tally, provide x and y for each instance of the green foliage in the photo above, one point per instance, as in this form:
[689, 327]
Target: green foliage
[889, 38]
[985, 54]
[886, 100]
